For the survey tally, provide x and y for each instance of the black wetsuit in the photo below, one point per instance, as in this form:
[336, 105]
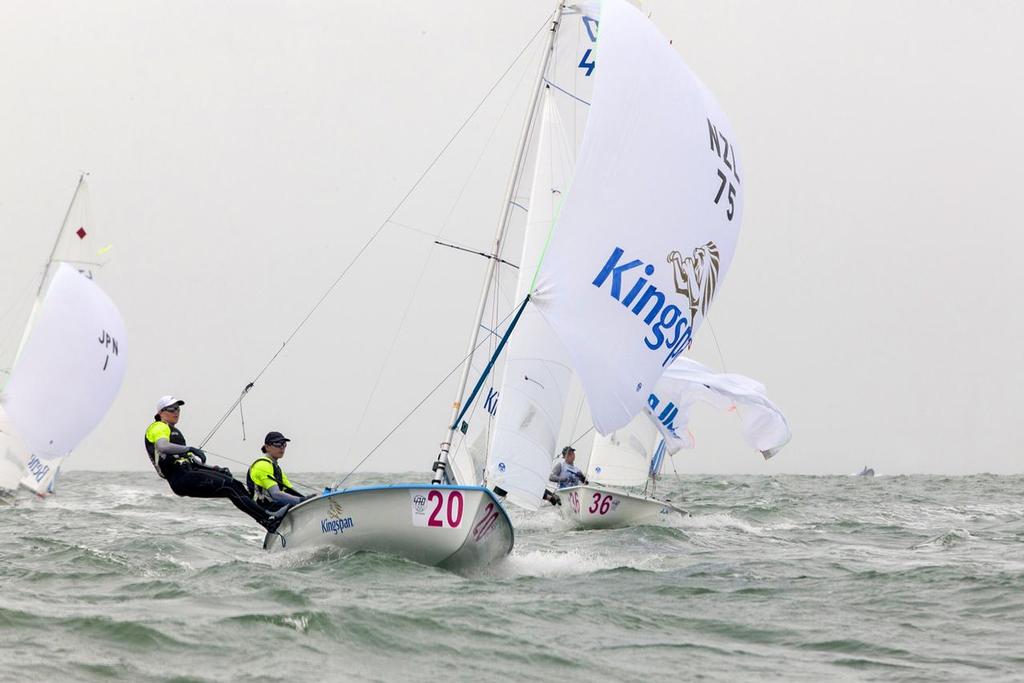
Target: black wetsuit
[188, 478]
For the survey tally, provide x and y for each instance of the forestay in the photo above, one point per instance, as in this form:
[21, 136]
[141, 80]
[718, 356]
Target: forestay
[67, 375]
[687, 381]
[649, 227]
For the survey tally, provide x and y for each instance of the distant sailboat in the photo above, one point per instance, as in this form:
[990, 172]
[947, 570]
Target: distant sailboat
[628, 457]
[633, 456]
[69, 365]
[866, 472]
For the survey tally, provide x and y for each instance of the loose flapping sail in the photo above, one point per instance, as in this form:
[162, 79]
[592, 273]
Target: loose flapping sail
[687, 382]
[648, 229]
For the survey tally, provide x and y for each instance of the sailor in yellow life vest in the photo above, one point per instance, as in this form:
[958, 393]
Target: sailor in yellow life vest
[266, 482]
[185, 469]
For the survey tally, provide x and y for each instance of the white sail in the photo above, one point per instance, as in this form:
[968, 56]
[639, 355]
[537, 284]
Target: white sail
[649, 227]
[623, 458]
[532, 394]
[764, 426]
[77, 244]
[67, 375]
[537, 373]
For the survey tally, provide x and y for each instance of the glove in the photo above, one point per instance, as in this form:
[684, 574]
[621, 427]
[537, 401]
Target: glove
[198, 454]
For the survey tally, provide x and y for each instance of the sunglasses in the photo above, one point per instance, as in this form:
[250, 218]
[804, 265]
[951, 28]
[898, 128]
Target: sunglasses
[171, 409]
[278, 444]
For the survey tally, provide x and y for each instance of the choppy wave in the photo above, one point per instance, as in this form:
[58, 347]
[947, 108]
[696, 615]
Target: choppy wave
[796, 578]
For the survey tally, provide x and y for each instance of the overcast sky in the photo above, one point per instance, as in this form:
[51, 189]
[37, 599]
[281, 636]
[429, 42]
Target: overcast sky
[241, 153]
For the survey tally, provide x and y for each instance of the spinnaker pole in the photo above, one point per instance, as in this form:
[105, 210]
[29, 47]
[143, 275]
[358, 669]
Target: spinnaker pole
[441, 464]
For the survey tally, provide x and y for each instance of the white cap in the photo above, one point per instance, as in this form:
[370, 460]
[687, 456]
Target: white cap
[167, 402]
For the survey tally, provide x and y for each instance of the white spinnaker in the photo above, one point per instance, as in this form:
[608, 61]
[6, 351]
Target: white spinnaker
[67, 375]
[623, 457]
[687, 381]
[537, 373]
[650, 224]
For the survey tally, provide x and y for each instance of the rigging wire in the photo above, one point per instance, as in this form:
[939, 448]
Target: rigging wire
[426, 263]
[417, 406]
[721, 357]
[578, 438]
[239, 462]
[377, 232]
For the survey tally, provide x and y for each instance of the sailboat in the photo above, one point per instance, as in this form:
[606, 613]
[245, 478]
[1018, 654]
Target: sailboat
[69, 364]
[633, 456]
[635, 166]
[456, 521]
[629, 457]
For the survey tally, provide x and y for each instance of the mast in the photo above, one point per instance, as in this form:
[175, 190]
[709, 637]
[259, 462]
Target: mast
[46, 269]
[441, 464]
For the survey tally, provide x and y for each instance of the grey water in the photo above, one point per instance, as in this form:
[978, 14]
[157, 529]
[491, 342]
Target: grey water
[916, 578]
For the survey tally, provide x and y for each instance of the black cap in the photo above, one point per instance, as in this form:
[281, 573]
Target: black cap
[274, 437]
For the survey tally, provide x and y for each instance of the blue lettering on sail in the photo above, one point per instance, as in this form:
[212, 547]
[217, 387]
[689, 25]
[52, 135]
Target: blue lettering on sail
[670, 326]
[37, 469]
[666, 416]
[491, 404]
[591, 25]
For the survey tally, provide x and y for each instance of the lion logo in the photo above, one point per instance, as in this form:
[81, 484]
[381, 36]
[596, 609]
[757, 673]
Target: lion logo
[696, 277]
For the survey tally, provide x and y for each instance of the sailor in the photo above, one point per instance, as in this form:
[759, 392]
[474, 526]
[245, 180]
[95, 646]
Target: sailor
[185, 469]
[266, 482]
[565, 473]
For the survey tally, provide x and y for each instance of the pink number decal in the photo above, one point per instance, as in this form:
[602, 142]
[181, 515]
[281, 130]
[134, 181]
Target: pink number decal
[434, 521]
[606, 504]
[454, 520]
[597, 501]
[574, 500]
[487, 523]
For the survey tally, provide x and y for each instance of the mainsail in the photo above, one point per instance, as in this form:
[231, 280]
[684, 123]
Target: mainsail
[537, 373]
[623, 458]
[66, 377]
[77, 244]
[648, 229]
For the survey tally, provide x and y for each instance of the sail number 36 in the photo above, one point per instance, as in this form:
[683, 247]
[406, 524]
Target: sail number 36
[601, 504]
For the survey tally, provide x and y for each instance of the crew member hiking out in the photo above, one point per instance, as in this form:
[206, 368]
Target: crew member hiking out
[266, 482]
[185, 469]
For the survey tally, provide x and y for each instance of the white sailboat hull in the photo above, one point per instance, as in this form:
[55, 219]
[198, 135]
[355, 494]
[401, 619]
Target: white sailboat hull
[459, 528]
[596, 507]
